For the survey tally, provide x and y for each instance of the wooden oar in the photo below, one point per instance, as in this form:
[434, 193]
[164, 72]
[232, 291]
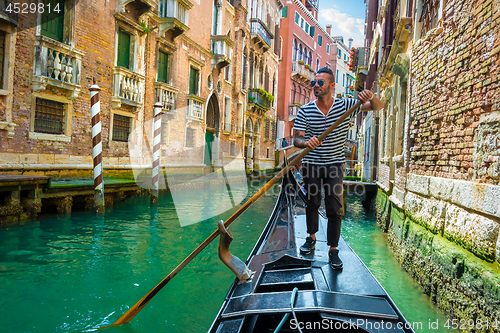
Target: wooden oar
[133, 311]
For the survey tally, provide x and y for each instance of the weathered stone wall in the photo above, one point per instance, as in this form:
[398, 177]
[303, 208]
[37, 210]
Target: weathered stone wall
[456, 71]
[458, 282]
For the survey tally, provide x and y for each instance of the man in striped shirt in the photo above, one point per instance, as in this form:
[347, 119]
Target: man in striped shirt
[322, 167]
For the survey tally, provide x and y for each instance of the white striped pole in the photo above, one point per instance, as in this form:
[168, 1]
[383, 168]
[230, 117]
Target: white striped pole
[97, 147]
[156, 152]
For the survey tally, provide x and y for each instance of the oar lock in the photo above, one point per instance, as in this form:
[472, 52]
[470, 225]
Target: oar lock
[238, 267]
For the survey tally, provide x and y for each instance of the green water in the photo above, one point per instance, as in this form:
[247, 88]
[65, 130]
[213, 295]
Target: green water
[76, 273]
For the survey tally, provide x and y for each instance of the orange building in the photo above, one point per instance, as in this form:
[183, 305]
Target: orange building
[305, 49]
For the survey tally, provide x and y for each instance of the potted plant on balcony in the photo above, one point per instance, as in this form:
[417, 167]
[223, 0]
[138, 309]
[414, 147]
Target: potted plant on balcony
[301, 61]
[307, 66]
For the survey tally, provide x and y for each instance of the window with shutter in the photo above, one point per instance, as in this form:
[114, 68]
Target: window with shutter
[311, 32]
[162, 67]
[320, 40]
[284, 11]
[53, 20]
[123, 58]
[296, 17]
[193, 81]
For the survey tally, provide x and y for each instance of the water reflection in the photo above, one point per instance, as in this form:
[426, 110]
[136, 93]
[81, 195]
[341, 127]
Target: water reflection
[79, 272]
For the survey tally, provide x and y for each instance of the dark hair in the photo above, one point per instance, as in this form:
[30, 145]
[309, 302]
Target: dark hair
[327, 71]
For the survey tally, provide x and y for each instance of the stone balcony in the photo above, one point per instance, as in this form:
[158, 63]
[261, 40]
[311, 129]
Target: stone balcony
[167, 95]
[57, 64]
[174, 16]
[127, 88]
[257, 98]
[260, 33]
[293, 109]
[222, 49]
[8, 15]
[195, 107]
[303, 73]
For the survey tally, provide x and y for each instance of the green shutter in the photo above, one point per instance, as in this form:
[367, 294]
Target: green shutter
[123, 49]
[284, 11]
[162, 67]
[320, 39]
[216, 18]
[311, 32]
[193, 78]
[53, 21]
[296, 17]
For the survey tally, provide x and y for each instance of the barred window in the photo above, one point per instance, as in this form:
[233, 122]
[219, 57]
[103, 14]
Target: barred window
[190, 137]
[121, 128]
[429, 15]
[273, 134]
[164, 131]
[267, 129]
[49, 116]
[233, 149]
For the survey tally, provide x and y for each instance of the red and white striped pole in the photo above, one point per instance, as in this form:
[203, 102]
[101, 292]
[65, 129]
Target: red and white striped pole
[156, 152]
[97, 147]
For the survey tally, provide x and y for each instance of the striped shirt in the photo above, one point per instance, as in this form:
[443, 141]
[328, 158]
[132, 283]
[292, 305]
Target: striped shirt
[313, 122]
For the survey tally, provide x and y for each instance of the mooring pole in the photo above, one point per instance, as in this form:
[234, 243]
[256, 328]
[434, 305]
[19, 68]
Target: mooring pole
[156, 152]
[97, 147]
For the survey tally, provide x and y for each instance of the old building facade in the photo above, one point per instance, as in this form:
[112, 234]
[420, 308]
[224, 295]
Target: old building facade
[438, 170]
[205, 61]
[305, 48]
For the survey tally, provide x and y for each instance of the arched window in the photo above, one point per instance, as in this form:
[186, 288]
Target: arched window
[309, 60]
[317, 64]
[300, 52]
[292, 95]
[299, 95]
[295, 50]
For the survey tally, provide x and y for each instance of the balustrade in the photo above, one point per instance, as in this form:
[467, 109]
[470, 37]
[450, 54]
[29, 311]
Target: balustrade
[305, 73]
[56, 64]
[127, 87]
[195, 107]
[260, 30]
[167, 95]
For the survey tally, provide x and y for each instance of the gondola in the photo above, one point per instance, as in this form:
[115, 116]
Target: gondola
[291, 292]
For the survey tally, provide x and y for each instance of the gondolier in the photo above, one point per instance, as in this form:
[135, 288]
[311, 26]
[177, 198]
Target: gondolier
[322, 167]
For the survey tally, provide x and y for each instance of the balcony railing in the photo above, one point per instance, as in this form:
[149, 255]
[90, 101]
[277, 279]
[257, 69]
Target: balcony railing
[58, 65]
[261, 31]
[13, 17]
[363, 57]
[167, 95]
[228, 127]
[256, 97]
[222, 46]
[127, 87]
[195, 107]
[174, 15]
[300, 69]
[239, 129]
[293, 110]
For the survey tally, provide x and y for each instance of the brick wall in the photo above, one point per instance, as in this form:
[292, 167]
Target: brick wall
[455, 70]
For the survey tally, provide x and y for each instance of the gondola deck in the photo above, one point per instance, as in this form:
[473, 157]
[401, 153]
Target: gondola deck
[350, 299]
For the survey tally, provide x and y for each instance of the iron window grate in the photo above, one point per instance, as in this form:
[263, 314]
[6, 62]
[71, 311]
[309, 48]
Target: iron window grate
[49, 116]
[121, 128]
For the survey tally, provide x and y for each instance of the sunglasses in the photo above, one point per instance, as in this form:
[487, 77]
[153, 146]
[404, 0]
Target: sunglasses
[321, 83]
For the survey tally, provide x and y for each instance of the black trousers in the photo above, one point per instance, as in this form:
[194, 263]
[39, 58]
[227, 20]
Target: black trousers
[330, 178]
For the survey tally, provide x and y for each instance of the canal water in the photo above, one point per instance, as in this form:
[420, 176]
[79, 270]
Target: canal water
[79, 272]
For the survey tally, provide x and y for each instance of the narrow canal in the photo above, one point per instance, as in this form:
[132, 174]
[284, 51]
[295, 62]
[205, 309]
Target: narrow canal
[76, 273]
